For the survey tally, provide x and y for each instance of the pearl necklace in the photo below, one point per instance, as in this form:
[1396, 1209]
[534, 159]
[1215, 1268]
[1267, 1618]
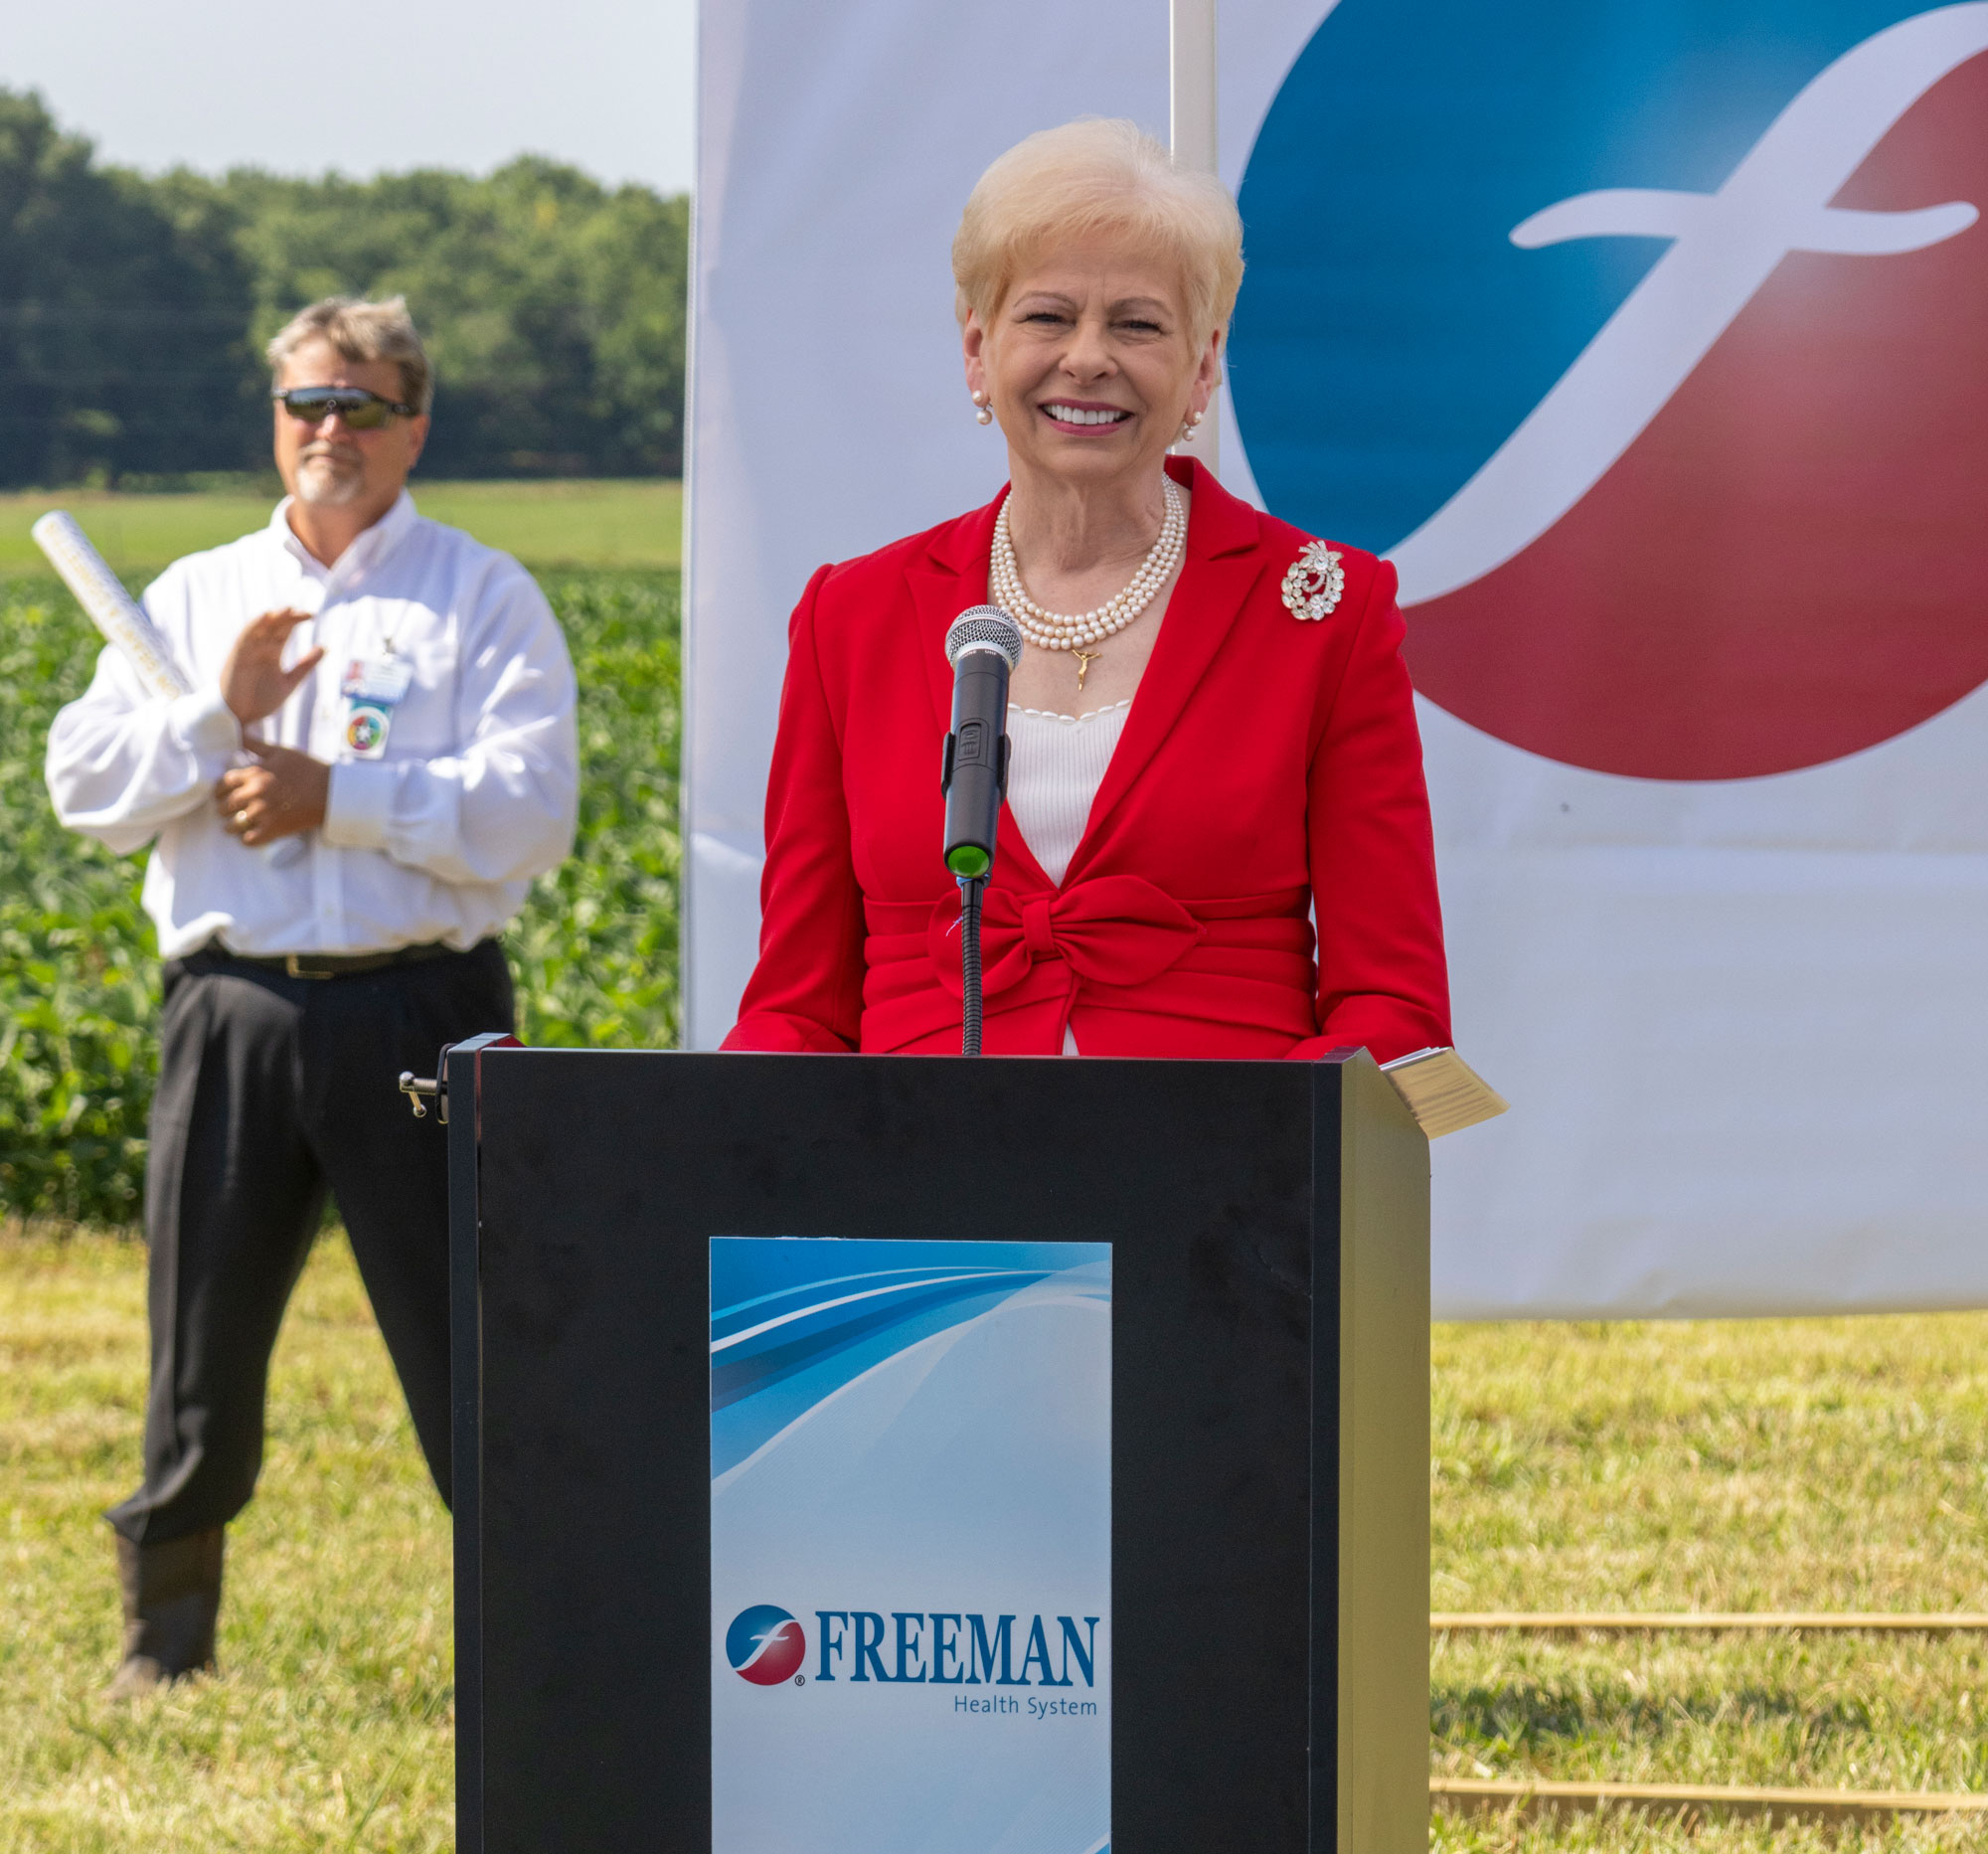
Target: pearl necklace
[1054, 631]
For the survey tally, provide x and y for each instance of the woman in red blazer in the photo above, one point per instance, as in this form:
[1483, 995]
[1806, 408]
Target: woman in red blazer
[1215, 738]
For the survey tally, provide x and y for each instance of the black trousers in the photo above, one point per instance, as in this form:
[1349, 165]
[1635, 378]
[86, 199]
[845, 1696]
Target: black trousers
[273, 1090]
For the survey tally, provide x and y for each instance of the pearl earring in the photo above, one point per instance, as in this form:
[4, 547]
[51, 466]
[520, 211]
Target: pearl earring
[1187, 429]
[983, 412]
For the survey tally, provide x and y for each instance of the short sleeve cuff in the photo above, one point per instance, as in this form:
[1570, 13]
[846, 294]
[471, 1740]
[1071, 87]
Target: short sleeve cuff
[206, 726]
[359, 804]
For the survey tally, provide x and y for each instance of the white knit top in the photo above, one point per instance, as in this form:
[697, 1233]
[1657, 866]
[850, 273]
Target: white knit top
[1055, 763]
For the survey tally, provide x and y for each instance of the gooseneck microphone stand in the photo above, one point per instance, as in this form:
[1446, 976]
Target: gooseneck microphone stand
[983, 647]
[969, 961]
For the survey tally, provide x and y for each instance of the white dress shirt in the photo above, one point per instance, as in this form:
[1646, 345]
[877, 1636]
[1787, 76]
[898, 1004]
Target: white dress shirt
[477, 791]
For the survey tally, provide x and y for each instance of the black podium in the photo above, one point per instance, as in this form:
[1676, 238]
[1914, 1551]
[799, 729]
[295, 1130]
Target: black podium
[1269, 1413]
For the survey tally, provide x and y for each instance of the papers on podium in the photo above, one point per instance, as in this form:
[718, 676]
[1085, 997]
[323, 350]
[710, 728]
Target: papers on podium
[1443, 1091]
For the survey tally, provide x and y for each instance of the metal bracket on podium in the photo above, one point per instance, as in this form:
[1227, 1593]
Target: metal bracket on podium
[421, 1088]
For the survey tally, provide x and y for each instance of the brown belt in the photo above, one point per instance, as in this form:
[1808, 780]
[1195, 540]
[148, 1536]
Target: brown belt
[332, 964]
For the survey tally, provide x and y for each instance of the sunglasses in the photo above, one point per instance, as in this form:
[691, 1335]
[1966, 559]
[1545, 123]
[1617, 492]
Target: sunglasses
[362, 410]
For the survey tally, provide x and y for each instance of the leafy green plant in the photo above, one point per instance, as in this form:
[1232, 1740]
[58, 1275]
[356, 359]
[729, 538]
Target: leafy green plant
[595, 952]
[79, 977]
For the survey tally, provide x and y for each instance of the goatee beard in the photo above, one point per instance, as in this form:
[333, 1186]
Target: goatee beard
[323, 484]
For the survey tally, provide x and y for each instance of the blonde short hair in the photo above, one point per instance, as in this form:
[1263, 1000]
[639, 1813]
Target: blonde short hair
[362, 331]
[1096, 178]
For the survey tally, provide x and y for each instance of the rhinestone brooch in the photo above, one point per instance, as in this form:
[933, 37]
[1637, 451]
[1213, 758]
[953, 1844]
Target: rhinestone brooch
[1314, 582]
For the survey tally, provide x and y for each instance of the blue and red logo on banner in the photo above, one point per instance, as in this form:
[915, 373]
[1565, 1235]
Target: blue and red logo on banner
[764, 1646]
[1648, 340]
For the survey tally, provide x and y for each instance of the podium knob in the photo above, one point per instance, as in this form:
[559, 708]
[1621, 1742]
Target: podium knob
[421, 1088]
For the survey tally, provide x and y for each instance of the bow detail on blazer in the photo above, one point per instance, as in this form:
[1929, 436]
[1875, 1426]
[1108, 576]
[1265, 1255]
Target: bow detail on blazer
[1116, 929]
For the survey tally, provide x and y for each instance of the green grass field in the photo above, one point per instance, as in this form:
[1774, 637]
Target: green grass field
[1791, 1464]
[1812, 1464]
[556, 524]
[330, 1724]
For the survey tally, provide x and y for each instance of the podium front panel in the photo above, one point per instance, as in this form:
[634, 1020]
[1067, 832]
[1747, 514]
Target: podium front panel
[910, 1543]
[1267, 1543]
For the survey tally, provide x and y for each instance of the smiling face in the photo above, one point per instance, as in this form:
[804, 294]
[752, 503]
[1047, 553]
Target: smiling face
[329, 464]
[1090, 363]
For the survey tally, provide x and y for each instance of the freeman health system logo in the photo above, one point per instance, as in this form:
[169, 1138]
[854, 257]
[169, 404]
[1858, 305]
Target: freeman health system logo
[1647, 340]
[937, 1648]
[764, 1646]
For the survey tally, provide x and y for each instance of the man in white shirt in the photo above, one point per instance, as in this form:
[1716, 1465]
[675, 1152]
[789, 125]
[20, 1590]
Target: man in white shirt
[379, 757]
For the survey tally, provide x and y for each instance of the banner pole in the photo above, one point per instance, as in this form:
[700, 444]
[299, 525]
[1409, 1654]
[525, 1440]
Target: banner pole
[1192, 77]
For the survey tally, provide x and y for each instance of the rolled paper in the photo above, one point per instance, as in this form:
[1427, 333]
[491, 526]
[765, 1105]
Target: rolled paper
[111, 609]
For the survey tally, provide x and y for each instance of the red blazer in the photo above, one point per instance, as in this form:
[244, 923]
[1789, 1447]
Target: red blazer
[1269, 767]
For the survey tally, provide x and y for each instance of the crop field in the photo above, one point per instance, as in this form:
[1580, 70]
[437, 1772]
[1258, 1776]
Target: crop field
[595, 952]
[1731, 1465]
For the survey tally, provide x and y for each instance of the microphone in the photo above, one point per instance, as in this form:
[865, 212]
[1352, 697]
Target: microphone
[984, 646]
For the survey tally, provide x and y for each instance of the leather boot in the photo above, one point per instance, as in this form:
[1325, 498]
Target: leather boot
[172, 1599]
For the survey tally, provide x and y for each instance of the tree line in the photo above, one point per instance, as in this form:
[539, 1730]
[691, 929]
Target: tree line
[133, 310]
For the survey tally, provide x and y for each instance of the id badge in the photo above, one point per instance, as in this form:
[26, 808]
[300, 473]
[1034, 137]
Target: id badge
[371, 688]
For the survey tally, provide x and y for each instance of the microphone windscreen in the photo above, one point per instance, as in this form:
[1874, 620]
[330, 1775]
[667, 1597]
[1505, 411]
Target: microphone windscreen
[985, 626]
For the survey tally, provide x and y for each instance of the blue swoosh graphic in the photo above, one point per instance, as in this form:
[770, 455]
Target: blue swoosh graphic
[797, 1319]
[834, 1330]
[721, 1318]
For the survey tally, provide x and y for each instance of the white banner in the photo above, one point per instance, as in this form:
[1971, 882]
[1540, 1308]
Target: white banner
[1671, 398]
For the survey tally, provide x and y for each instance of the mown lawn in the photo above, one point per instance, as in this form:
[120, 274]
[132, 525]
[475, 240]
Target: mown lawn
[576, 523]
[1771, 1464]
[1812, 1464]
[331, 1724]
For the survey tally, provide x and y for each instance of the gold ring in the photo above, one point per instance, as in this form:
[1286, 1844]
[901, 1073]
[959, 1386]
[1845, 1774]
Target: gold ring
[242, 817]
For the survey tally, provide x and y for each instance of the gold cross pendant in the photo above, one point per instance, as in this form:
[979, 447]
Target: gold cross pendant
[1084, 659]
